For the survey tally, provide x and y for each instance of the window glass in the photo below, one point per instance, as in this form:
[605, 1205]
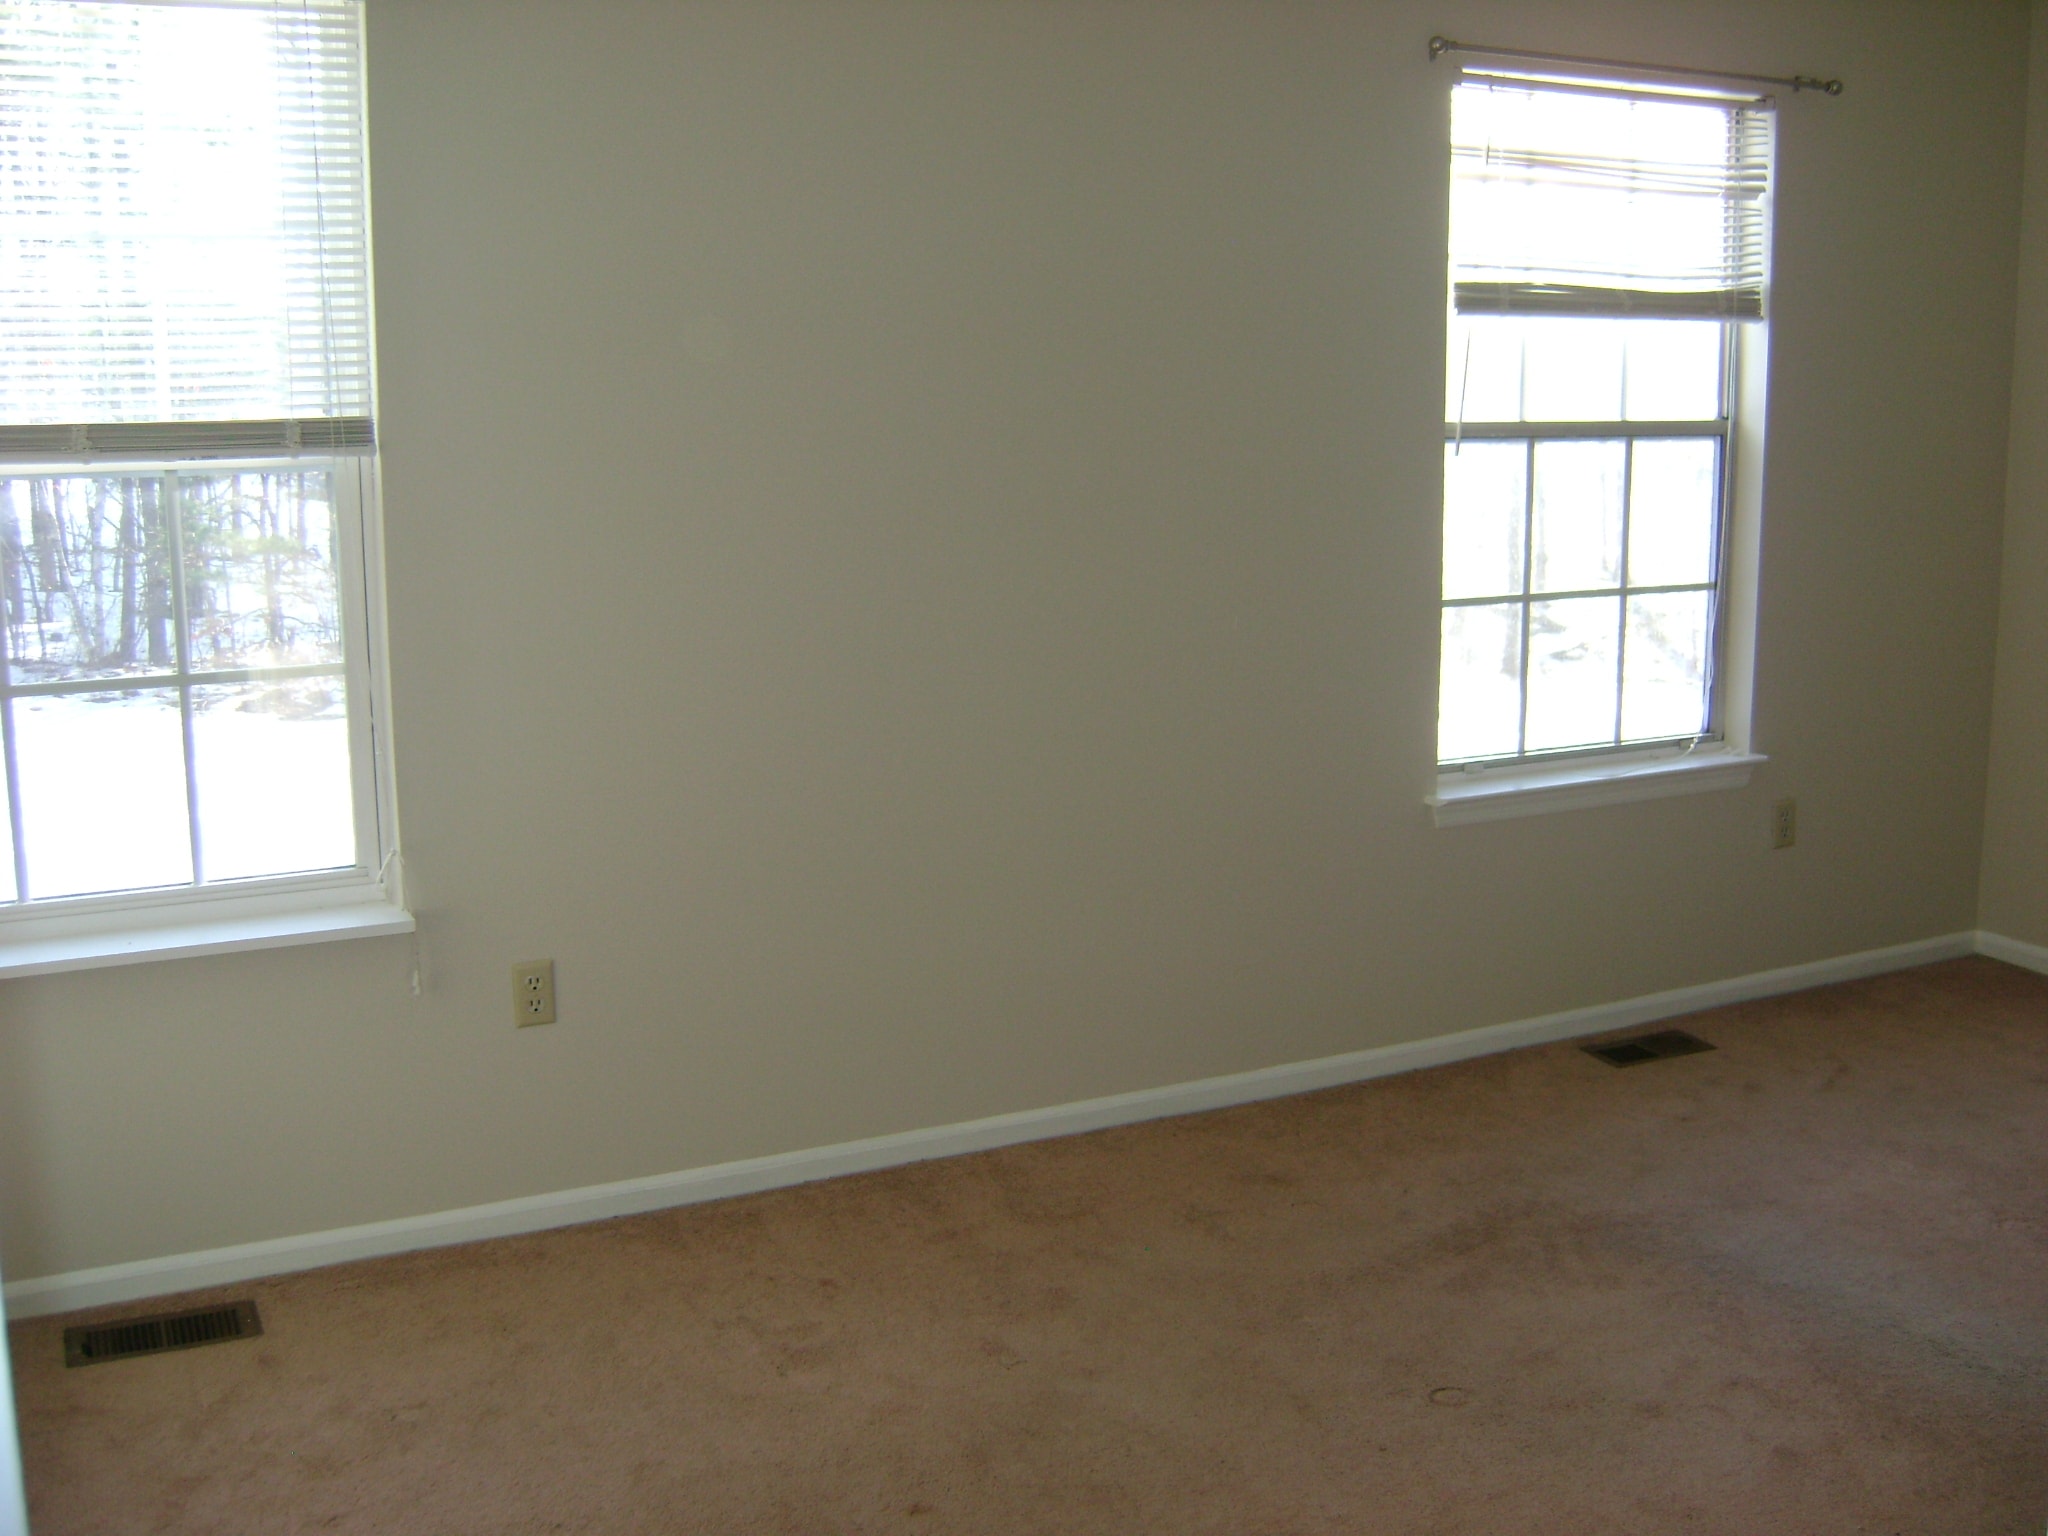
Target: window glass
[1664, 687]
[1674, 370]
[1573, 645]
[1484, 376]
[102, 786]
[263, 587]
[1571, 370]
[87, 566]
[258, 674]
[1606, 244]
[1588, 514]
[271, 762]
[1576, 540]
[1481, 710]
[184, 441]
[1485, 511]
[1674, 495]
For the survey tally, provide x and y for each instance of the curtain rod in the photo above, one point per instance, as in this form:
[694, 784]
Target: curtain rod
[1439, 46]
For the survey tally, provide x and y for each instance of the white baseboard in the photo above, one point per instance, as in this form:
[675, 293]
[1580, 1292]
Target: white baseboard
[534, 1213]
[2032, 957]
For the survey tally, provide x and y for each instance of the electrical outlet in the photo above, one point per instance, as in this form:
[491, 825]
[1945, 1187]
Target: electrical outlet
[1784, 823]
[533, 992]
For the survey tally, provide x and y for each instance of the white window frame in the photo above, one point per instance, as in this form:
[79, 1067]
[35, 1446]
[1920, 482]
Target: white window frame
[1722, 757]
[363, 900]
[332, 431]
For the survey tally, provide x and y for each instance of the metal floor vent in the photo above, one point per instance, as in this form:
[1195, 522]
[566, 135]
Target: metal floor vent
[165, 1330]
[1637, 1049]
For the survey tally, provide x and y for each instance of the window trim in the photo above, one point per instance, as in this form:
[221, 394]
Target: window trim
[1720, 429]
[88, 932]
[366, 899]
[1499, 789]
[1533, 435]
[1484, 790]
[1463, 797]
[329, 425]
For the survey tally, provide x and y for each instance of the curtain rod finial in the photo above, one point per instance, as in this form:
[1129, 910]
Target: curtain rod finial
[1439, 46]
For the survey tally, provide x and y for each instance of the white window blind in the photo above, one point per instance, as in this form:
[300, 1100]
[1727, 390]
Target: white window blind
[184, 260]
[1577, 199]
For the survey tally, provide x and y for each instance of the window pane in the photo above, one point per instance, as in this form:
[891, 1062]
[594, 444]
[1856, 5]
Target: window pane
[1483, 371]
[185, 211]
[1479, 703]
[1664, 687]
[86, 563]
[1674, 370]
[1573, 370]
[1485, 502]
[1672, 498]
[7, 887]
[1571, 672]
[261, 580]
[1576, 538]
[102, 792]
[272, 765]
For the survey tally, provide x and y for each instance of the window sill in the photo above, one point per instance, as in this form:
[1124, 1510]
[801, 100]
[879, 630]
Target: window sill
[125, 933]
[1499, 793]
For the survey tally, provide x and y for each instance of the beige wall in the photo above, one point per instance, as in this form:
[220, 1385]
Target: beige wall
[2015, 891]
[912, 540]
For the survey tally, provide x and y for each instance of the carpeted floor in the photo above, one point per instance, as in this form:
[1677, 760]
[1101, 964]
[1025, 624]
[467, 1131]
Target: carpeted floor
[1796, 1285]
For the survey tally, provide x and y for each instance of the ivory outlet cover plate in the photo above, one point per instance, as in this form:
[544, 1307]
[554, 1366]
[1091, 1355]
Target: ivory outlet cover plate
[533, 992]
[1784, 823]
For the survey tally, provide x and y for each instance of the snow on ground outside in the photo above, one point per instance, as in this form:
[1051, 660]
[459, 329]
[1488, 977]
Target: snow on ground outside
[103, 788]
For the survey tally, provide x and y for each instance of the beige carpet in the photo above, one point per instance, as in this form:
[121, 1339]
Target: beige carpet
[1796, 1285]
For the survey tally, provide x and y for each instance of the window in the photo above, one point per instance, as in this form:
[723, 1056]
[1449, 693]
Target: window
[1608, 250]
[188, 704]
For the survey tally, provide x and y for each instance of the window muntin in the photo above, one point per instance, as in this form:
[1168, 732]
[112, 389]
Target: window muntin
[185, 582]
[174, 700]
[1604, 249]
[1582, 557]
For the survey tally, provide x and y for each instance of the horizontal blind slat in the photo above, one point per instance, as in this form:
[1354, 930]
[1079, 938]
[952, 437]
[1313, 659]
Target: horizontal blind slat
[186, 439]
[1566, 202]
[183, 231]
